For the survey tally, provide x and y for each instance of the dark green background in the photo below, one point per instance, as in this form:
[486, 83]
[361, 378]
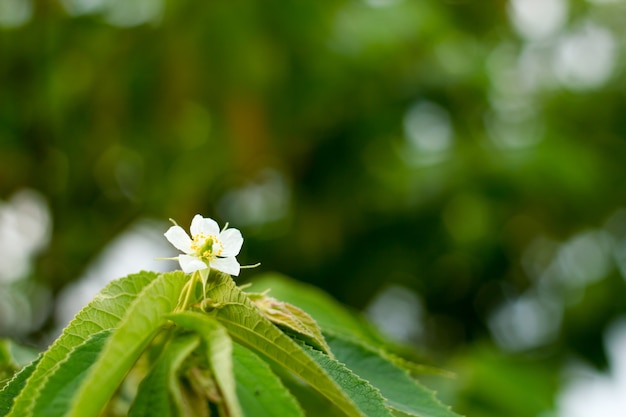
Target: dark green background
[164, 119]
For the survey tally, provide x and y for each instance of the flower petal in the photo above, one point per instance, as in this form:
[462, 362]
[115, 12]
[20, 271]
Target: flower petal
[191, 263]
[179, 238]
[232, 241]
[227, 265]
[204, 225]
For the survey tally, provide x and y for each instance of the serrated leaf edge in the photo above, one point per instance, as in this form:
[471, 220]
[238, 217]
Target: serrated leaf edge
[128, 317]
[243, 301]
[385, 355]
[55, 368]
[58, 346]
[15, 376]
[348, 371]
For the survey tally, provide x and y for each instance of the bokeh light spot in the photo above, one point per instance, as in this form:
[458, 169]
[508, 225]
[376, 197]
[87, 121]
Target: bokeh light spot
[585, 57]
[537, 19]
[15, 13]
[428, 133]
[397, 312]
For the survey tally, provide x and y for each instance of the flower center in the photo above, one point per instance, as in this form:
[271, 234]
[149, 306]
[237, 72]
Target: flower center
[206, 247]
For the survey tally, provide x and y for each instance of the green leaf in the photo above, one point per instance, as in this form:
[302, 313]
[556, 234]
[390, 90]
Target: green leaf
[5, 356]
[8, 367]
[367, 398]
[180, 349]
[153, 397]
[14, 386]
[313, 402]
[219, 353]
[159, 392]
[402, 392]
[260, 391]
[60, 387]
[104, 312]
[335, 318]
[14, 356]
[246, 323]
[328, 313]
[142, 320]
[291, 319]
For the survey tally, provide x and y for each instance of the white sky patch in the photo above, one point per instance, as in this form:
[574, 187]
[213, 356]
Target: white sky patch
[133, 250]
[538, 19]
[584, 259]
[585, 57]
[526, 322]
[25, 227]
[428, 132]
[397, 312]
[81, 7]
[561, 272]
[590, 393]
[124, 13]
[263, 200]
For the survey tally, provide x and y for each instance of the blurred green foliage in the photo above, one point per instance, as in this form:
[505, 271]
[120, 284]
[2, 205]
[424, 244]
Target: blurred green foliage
[451, 148]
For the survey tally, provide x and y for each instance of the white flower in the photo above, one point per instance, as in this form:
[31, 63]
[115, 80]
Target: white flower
[208, 247]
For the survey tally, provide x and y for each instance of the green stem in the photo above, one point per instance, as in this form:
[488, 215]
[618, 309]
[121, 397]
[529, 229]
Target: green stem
[185, 294]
